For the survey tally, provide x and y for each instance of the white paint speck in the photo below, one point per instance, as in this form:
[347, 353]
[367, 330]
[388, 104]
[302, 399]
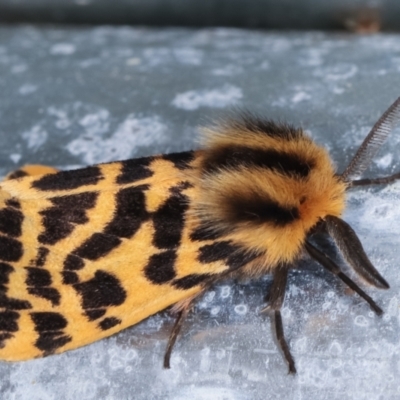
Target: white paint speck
[133, 61]
[18, 69]
[340, 71]
[300, 96]
[384, 161]
[241, 309]
[225, 291]
[27, 89]
[361, 321]
[64, 49]
[15, 157]
[35, 137]
[218, 98]
[130, 135]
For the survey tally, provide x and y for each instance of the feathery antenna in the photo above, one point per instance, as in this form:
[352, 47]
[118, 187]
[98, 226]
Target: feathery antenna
[373, 142]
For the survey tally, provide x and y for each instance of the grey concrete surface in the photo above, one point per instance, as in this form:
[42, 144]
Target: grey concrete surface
[71, 97]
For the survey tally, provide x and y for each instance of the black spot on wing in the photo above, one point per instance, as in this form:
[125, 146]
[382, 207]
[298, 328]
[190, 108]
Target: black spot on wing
[109, 323]
[258, 209]
[67, 180]
[253, 123]
[204, 232]
[8, 321]
[3, 337]
[216, 251]
[49, 342]
[48, 293]
[37, 277]
[234, 157]
[95, 314]
[19, 173]
[135, 170]
[10, 303]
[160, 268]
[41, 257]
[13, 203]
[180, 160]
[5, 301]
[69, 277]
[10, 249]
[190, 281]
[97, 246]
[59, 220]
[240, 258]
[103, 290]
[49, 326]
[48, 321]
[38, 281]
[130, 212]
[5, 271]
[73, 263]
[169, 220]
[11, 221]
[233, 255]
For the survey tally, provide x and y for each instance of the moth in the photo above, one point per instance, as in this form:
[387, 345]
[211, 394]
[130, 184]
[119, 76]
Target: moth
[88, 252]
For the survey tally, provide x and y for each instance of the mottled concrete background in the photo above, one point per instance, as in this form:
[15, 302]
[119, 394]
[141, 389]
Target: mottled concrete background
[71, 97]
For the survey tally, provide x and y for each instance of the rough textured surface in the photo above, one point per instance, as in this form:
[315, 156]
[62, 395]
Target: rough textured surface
[73, 97]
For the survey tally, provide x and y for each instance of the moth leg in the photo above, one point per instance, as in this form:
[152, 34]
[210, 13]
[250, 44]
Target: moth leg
[327, 263]
[276, 297]
[376, 181]
[183, 310]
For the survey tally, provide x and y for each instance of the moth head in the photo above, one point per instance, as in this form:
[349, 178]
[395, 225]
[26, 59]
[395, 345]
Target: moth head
[266, 185]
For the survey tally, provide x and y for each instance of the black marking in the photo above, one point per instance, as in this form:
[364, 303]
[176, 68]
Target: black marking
[13, 203]
[181, 160]
[10, 249]
[8, 321]
[240, 258]
[169, 221]
[160, 268]
[38, 277]
[49, 342]
[95, 314]
[97, 246]
[48, 293]
[258, 209]
[73, 262]
[130, 212]
[19, 173]
[69, 277]
[204, 232]
[190, 281]
[135, 170]
[256, 124]
[216, 251]
[103, 290]
[41, 256]
[235, 157]
[60, 219]
[11, 221]
[14, 304]
[109, 323]
[67, 180]
[48, 321]
[3, 337]
[5, 271]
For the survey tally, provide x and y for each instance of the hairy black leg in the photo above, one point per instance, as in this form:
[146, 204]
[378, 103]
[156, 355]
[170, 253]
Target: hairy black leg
[182, 314]
[276, 297]
[327, 263]
[376, 181]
